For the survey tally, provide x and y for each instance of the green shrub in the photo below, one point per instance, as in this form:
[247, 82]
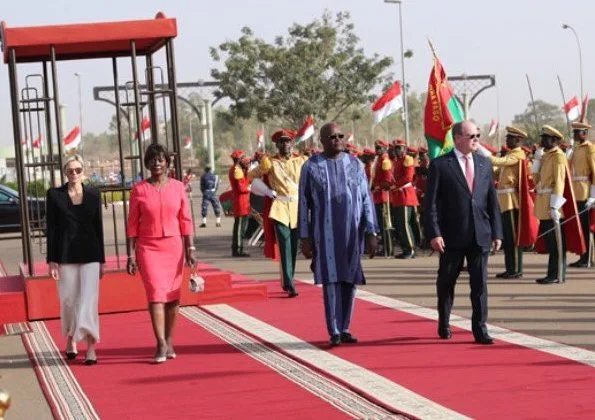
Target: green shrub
[115, 196]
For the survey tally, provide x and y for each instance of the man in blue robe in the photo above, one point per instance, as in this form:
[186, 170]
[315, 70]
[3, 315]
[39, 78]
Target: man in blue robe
[336, 213]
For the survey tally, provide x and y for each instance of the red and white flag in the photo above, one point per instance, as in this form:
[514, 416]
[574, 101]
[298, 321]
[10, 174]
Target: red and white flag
[349, 138]
[72, 139]
[389, 103]
[573, 108]
[37, 142]
[493, 128]
[188, 143]
[259, 139]
[24, 142]
[306, 131]
[145, 126]
[585, 108]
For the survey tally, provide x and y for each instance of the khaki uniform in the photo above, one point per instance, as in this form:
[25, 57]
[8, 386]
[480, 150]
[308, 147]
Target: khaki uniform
[550, 180]
[582, 163]
[508, 194]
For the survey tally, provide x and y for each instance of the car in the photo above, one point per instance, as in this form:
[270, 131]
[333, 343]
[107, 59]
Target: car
[10, 211]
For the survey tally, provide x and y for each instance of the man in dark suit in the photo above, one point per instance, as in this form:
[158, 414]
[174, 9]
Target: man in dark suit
[462, 219]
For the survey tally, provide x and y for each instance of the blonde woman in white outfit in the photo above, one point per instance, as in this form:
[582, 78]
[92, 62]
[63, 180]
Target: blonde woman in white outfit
[75, 255]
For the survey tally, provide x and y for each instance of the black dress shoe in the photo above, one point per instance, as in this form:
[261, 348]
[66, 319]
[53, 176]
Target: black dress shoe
[242, 255]
[502, 275]
[292, 294]
[90, 362]
[203, 225]
[71, 355]
[484, 339]
[335, 340]
[579, 264]
[547, 280]
[512, 275]
[404, 256]
[218, 225]
[444, 333]
[348, 338]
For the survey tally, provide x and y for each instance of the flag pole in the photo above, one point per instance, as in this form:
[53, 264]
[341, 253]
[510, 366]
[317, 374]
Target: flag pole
[564, 103]
[532, 103]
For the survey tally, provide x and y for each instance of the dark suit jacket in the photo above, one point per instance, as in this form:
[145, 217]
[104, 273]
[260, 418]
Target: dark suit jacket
[74, 233]
[453, 212]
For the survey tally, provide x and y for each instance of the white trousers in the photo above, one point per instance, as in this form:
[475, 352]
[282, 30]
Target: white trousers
[78, 288]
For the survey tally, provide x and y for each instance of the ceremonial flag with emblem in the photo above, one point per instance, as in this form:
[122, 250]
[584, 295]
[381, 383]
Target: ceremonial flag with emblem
[306, 131]
[573, 108]
[492, 128]
[145, 126]
[259, 139]
[72, 139]
[188, 143]
[442, 111]
[389, 103]
[584, 108]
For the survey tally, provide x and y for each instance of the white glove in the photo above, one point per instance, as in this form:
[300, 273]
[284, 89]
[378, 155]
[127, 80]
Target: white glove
[273, 194]
[483, 151]
[590, 201]
[537, 160]
[538, 153]
[555, 215]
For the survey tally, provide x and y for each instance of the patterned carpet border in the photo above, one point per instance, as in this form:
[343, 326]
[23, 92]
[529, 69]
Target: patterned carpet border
[15, 328]
[64, 394]
[336, 394]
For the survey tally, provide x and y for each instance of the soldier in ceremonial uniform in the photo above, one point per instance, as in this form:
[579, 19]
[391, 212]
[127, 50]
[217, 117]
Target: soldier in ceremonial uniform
[283, 171]
[508, 198]
[550, 168]
[582, 162]
[367, 159]
[240, 188]
[404, 200]
[380, 185]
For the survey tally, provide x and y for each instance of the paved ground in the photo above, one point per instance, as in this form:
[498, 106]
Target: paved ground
[562, 313]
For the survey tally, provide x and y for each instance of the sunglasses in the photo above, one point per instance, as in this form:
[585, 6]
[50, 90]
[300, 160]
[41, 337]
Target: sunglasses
[474, 136]
[77, 171]
[336, 136]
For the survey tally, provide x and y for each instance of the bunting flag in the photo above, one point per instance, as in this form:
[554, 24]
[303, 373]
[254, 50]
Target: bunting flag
[493, 128]
[145, 126]
[37, 142]
[72, 139]
[259, 139]
[349, 138]
[442, 111]
[306, 131]
[188, 143]
[389, 103]
[528, 224]
[584, 108]
[572, 108]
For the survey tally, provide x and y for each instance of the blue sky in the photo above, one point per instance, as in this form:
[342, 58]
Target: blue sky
[506, 38]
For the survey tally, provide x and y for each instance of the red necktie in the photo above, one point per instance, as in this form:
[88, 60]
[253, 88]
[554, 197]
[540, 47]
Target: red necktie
[469, 172]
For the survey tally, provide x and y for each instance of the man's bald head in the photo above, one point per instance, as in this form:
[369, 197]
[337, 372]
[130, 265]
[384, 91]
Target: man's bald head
[466, 136]
[331, 139]
[327, 129]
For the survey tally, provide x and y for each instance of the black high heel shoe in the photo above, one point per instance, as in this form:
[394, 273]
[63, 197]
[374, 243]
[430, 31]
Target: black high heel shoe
[71, 355]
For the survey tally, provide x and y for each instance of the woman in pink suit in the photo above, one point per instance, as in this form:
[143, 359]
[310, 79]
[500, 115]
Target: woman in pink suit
[160, 231]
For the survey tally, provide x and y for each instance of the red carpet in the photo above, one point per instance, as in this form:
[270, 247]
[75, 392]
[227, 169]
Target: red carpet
[499, 381]
[209, 379]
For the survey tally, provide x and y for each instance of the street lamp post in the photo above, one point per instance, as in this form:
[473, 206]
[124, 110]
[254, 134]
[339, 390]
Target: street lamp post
[404, 84]
[78, 77]
[580, 55]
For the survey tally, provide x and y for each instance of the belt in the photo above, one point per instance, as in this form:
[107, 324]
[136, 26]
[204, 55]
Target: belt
[287, 198]
[407, 185]
[579, 178]
[506, 191]
[543, 190]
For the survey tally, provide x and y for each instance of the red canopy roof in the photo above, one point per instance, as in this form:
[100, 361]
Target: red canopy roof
[87, 40]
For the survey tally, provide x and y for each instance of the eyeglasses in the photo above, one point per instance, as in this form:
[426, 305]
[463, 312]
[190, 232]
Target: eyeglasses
[77, 171]
[474, 136]
[336, 136]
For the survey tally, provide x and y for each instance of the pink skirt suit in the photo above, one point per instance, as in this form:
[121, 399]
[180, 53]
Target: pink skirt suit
[158, 218]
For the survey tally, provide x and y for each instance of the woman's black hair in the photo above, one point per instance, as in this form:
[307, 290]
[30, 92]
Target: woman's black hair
[154, 150]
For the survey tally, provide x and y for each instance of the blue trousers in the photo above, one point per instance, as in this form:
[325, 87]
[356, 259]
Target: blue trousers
[338, 306]
[204, 206]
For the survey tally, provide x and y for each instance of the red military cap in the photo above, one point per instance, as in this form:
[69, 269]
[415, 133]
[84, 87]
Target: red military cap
[489, 148]
[246, 159]
[237, 154]
[290, 134]
[258, 154]
[399, 142]
[412, 149]
[423, 149]
[359, 153]
[351, 146]
[369, 152]
[381, 143]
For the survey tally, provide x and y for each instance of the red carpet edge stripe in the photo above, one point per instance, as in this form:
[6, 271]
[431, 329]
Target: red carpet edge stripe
[332, 392]
[366, 382]
[65, 397]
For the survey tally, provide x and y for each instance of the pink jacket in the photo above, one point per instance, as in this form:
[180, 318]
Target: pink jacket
[155, 214]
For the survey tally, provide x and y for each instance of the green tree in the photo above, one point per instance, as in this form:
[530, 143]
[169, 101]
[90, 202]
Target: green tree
[531, 119]
[318, 69]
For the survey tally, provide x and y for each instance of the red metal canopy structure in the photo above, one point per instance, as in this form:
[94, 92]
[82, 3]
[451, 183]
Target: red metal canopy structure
[35, 107]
